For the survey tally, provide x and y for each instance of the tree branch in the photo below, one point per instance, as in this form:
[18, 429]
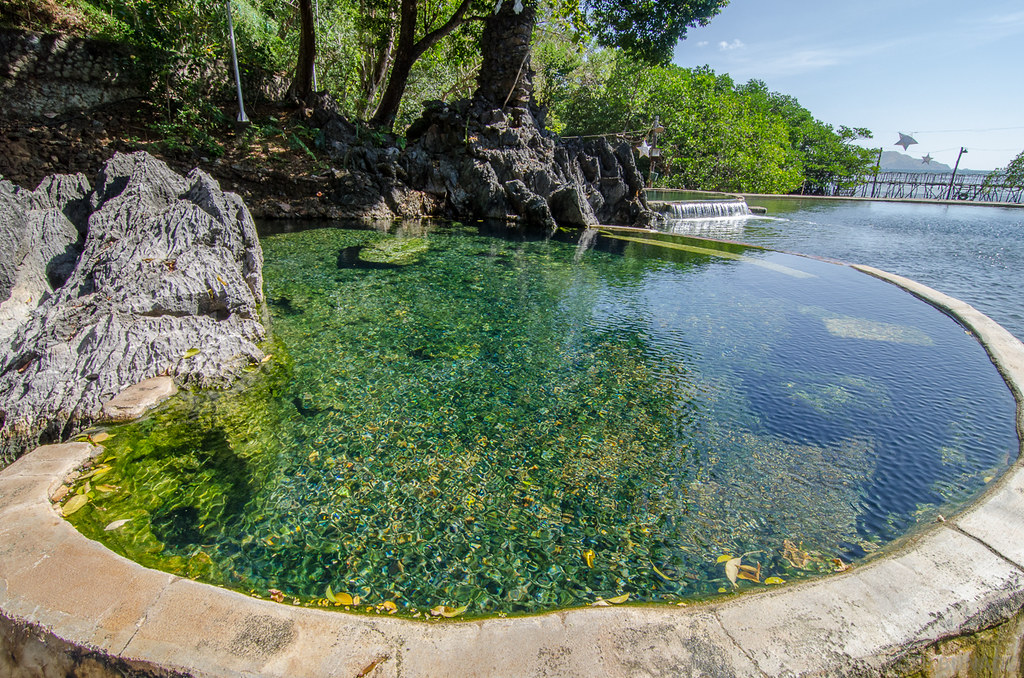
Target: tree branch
[435, 36]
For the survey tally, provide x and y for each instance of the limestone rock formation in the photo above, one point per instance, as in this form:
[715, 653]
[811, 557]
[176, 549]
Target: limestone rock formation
[471, 160]
[125, 281]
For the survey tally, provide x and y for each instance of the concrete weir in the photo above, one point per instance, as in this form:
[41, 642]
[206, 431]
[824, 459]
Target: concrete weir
[946, 601]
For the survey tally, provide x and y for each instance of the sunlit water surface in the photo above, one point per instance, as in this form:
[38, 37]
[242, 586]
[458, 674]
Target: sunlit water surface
[970, 252]
[451, 418]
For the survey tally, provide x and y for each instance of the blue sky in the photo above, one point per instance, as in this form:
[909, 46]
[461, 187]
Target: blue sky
[950, 73]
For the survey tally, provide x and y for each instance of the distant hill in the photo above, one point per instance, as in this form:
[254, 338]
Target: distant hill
[894, 161]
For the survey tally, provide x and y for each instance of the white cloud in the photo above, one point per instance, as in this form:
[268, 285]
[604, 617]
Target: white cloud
[787, 59]
[703, 43]
[727, 46]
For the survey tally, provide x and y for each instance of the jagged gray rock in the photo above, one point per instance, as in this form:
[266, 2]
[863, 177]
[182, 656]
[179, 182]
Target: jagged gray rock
[168, 264]
[40, 240]
[467, 160]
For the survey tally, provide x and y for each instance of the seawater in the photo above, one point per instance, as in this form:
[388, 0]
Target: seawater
[476, 420]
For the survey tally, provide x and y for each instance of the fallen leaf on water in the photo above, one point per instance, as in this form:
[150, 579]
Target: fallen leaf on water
[840, 566]
[722, 559]
[619, 600]
[191, 353]
[588, 557]
[732, 570]
[446, 611]
[98, 471]
[750, 573]
[600, 602]
[76, 502]
[116, 524]
[660, 573]
[107, 489]
[771, 581]
[796, 556]
[267, 358]
[97, 438]
[344, 599]
[276, 596]
[330, 595]
[389, 607]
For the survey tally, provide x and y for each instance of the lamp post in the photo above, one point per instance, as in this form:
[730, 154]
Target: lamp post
[949, 193]
[242, 118]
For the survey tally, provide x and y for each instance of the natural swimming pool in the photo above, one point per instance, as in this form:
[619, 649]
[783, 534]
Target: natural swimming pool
[971, 252]
[455, 418]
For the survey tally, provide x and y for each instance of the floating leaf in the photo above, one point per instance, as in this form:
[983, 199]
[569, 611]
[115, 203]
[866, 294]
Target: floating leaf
[446, 611]
[76, 502]
[344, 599]
[267, 358]
[98, 471]
[796, 557]
[117, 524]
[600, 602]
[772, 581]
[107, 489]
[660, 573]
[276, 596]
[840, 566]
[330, 595]
[588, 557]
[722, 559]
[97, 438]
[732, 570]
[389, 606]
[619, 600]
[191, 353]
[750, 573]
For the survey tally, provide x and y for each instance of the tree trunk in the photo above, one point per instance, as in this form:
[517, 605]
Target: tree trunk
[408, 51]
[405, 57]
[302, 85]
[506, 77]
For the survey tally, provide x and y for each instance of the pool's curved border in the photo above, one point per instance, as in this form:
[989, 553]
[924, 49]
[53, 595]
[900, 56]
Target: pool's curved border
[948, 601]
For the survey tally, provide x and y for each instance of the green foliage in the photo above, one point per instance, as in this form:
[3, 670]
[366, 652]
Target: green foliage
[648, 29]
[719, 136]
[1011, 175]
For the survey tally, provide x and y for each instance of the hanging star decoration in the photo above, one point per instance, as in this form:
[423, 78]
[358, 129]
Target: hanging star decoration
[905, 141]
[645, 149]
[927, 159]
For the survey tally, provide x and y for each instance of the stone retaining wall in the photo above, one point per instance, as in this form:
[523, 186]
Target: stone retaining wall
[45, 76]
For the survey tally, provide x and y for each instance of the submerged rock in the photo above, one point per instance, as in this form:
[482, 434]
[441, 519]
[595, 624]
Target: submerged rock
[166, 281]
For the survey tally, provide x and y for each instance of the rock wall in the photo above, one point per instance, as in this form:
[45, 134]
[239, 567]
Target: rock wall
[46, 76]
[111, 285]
[469, 160]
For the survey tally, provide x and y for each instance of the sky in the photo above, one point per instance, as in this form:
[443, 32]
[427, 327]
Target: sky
[949, 73]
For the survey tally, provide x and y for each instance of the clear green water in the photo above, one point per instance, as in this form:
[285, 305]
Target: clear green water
[456, 419]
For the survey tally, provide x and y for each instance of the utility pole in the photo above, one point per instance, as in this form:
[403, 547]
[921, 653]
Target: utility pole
[242, 118]
[949, 193]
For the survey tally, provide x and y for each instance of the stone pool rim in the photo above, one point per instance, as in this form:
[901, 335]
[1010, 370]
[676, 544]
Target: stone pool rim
[66, 601]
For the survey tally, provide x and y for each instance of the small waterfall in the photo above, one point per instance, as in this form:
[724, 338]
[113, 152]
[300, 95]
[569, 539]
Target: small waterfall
[710, 209]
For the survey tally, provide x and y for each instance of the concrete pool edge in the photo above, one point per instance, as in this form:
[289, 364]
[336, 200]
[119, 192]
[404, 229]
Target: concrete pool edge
[949, 597]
